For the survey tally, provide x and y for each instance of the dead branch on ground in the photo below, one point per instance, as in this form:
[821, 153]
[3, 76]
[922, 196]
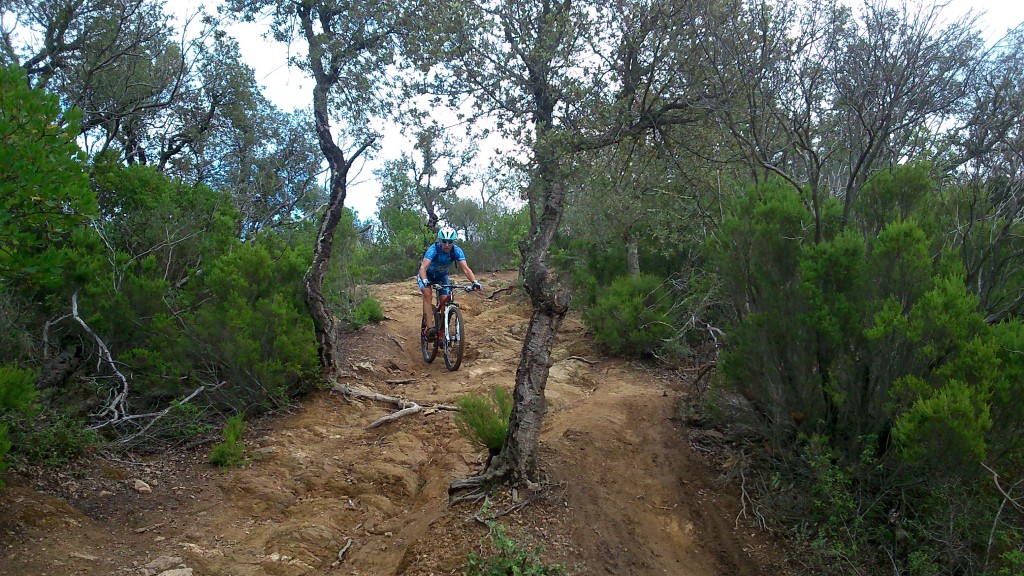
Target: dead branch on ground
[500, 290]
[405, 407]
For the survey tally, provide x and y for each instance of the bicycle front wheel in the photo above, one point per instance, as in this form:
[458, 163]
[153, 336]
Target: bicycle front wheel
[428, 347]
[454, 341]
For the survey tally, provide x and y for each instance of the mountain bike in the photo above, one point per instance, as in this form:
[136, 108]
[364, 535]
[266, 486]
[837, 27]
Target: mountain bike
[450, 336]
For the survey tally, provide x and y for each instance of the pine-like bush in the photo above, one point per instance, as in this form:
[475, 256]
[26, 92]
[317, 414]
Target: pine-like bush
[230, 451]
[633, 317]
[484, 419]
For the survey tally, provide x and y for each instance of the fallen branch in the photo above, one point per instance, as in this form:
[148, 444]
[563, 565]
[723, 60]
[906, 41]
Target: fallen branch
[704, 371]
[582, 359]
[405, 407]
[117, 407]
[499, 291]
[341, 553]
[401, 381]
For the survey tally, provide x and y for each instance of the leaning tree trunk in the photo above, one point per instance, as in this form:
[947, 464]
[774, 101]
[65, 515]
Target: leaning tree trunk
[325, 324]
[517, 461]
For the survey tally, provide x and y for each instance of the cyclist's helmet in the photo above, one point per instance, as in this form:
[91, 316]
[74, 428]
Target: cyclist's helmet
[447, 234]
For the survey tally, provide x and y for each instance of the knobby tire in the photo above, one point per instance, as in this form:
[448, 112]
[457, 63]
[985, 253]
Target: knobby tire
[454, 338]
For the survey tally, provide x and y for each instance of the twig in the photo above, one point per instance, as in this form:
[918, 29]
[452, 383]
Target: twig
[704, 372]
[145, 529]
[341, 553]
[118, 405]
[401, 381]
[582, 359]
[405, 407]
[505, 289]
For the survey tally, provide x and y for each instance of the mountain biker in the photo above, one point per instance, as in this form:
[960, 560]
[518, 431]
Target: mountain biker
[434, 270]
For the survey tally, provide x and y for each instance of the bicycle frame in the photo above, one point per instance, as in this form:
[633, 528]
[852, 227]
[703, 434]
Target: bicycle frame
[443, 304]
[447, 316]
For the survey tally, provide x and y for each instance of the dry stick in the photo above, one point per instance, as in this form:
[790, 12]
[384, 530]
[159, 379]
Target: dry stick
[341, 553]
[401, 381]
[496, 292]
[582, 359]
[119, 403]
[158, 415]
[1002, 505]
[406, 407]
[703, 372]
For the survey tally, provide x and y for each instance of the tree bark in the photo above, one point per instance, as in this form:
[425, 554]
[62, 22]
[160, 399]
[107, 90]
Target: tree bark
[632, 254]
[325, 324]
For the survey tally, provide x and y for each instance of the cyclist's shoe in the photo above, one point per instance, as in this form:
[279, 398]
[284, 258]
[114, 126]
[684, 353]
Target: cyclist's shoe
[430, 333]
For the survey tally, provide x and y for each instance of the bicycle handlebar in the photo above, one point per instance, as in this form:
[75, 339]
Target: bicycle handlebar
[466, 287]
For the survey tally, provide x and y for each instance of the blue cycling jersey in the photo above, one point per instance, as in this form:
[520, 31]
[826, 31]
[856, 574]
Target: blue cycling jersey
[440, 261]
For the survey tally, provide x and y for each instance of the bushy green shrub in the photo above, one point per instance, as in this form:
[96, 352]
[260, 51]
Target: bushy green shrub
[633, 317]
[369, 310]
[229, 452]
[484, 419]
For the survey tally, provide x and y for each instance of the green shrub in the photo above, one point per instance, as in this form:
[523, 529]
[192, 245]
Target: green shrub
[48, 439]
[511, 558]
[484, 419]
[632, 317]
[369, 310]
[229, 452]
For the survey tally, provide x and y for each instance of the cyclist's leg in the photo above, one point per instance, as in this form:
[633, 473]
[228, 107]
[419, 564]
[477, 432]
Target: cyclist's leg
[428, 316]
[443, 279]
[427, 292]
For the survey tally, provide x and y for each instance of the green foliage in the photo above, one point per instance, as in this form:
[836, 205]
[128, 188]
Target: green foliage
[17, 388]
[185, 421]
[17, 395]
[229, 452]
[255, 322]
[484, 419]
[510, 558]
[868, 341]
[633, 317]
[48, 438]
[369, 310]
[44, 192]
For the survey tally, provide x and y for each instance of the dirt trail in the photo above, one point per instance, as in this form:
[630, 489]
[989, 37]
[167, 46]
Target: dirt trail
[628, 494]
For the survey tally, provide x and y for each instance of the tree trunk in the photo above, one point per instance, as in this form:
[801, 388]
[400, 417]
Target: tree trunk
[325, 324]
[518, 458]
[632, 254]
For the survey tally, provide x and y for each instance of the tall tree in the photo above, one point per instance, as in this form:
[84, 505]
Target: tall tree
[822, 98]
[515, 58]
[349, 48]
[428, 180]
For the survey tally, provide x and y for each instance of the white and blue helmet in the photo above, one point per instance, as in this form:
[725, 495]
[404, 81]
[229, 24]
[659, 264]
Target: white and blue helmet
[447, 234]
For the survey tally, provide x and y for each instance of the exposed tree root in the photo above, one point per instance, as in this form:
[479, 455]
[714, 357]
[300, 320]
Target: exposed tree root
[405, 407]
[499, 291]
[478, 487]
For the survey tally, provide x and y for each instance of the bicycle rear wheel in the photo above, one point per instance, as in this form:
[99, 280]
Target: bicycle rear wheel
[454, 342]
[428, 347]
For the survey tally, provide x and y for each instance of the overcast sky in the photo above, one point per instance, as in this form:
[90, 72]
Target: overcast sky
[289, 88]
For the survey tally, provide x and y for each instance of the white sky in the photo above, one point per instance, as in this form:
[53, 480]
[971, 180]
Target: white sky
[289, 88]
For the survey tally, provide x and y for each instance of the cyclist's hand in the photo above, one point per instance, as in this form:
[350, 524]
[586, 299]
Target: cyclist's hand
[422, 283]
[477, 285]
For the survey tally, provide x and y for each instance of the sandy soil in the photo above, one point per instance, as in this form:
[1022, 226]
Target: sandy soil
[626, 492]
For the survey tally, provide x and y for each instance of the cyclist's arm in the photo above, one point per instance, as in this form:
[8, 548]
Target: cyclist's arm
[465, 270]
[423, 269]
